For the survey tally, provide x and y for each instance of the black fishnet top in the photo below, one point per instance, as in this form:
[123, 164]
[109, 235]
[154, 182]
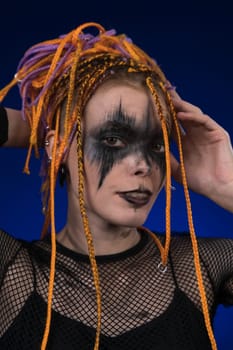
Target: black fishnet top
[143, 308]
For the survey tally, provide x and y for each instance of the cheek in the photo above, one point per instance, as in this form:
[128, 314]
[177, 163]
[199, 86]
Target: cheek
[159, 167]
[157, 177]
[91, 175]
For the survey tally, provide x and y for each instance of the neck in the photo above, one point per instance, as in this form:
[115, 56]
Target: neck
[107, 238]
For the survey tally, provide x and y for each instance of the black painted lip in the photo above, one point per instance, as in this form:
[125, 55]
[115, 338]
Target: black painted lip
[137, 197]
[137, 190]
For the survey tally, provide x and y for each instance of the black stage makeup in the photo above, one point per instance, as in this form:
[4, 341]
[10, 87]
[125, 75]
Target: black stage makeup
[120, 135]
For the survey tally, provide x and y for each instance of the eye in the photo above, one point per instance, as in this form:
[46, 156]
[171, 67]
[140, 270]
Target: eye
[113, 141]
[158, 147]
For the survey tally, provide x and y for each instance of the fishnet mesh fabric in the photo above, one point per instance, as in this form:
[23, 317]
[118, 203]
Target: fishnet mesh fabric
[142, 308]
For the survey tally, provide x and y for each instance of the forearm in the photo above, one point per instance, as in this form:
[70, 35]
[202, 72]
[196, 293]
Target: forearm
[223, 196]
[18, 131]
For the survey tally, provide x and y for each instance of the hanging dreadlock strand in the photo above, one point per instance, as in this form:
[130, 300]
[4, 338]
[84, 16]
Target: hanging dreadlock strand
[168, 170]
[86, 224]
[195, 245]
[53, 241]
[191, 227]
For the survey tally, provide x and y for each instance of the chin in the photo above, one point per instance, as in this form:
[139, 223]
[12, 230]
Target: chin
[129, 220]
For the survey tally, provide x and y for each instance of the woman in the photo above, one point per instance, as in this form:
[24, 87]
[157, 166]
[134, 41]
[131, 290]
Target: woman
[104, 113]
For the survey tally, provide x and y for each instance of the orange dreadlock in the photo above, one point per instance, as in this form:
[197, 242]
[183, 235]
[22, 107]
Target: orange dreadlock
[68, 69]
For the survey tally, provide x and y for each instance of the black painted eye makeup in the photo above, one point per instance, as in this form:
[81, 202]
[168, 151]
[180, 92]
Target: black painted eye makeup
[114, 142]
[119, 136]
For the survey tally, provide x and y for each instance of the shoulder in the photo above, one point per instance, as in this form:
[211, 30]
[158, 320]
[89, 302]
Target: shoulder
[216, 253]
[180, 239]
[212, 250]
[7, 239]
[8, 243]
[11, 247]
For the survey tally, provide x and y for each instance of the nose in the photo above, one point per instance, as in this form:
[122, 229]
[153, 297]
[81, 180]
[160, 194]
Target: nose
[138, 165]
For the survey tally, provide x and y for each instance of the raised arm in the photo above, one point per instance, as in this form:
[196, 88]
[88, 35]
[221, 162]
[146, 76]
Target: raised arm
[208, 154]
[14, 130]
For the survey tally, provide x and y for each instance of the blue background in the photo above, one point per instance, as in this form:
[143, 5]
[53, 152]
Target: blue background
[191, 41]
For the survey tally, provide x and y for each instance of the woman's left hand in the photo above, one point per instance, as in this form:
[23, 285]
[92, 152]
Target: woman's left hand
[208, 154]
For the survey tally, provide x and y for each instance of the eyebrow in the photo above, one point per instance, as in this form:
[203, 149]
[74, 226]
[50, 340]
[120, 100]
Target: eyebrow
[119, 121]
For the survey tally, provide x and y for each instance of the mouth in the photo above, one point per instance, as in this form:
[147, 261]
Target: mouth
[138, 197]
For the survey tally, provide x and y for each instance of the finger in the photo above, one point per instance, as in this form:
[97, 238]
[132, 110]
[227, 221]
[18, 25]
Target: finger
[175, 168]
[174, 94]
[172, 91]
[182, 132]
[190, 119]
[184, 106]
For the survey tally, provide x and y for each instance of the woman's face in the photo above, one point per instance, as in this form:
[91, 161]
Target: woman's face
[124, 158]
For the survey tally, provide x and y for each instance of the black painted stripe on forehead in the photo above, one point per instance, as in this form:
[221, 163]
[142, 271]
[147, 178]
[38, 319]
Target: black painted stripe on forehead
[121, 121]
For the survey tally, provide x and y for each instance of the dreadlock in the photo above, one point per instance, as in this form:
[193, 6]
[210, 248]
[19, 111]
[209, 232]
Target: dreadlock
[56, 79]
